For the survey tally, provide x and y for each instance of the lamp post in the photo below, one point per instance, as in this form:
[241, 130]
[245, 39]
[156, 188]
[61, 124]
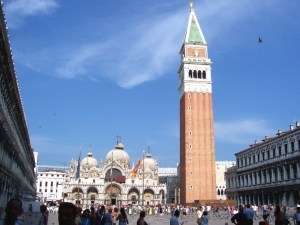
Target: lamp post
[143, 179]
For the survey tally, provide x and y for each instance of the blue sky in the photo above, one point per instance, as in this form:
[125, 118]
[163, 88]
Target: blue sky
[90, 70]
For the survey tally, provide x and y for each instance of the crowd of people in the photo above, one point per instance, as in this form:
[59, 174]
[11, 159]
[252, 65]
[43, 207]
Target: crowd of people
[70, 214]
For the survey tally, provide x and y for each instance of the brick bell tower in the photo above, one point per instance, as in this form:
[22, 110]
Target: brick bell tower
[197, 150]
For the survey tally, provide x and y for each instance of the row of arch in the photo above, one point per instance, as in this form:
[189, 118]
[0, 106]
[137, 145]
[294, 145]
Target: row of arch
[114, 194]
[116, 188]
[197, 74]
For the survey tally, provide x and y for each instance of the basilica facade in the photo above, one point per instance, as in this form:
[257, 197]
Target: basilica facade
[113, 181]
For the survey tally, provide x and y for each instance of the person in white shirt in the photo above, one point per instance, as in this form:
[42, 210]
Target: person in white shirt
[208, 208]
[235, 211]
[254, 207]
[199, 212]
[174, 219]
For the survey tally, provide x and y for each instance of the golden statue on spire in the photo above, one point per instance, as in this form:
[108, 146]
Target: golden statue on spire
[191, 5]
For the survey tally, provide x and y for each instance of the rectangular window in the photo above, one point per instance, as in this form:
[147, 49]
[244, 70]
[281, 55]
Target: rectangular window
[274, 152]
[242, 163]
[263, 156]
[285, 148]
[51, 184]
[250, 160]
[293, 146]
[45, 190]
[40, 183]
[258, 159]
[40, 190]
[279, 150]
[268, 154]
[46, 184]
[254, 159]
[298, 144]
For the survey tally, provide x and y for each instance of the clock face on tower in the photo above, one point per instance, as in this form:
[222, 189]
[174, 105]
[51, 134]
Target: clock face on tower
[196, 53]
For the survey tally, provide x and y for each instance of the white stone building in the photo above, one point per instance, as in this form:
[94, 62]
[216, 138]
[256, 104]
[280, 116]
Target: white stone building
[221, 168]
[161, 185]
[49, 185]
[267, 172]
[138, 185]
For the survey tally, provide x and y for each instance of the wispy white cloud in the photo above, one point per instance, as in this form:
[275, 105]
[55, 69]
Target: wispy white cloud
[242, 131]
[17, 10]
[145, 49]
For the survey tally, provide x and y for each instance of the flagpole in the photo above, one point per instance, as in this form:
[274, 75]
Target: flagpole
[112, 160]
[78, 175]
[143, 180]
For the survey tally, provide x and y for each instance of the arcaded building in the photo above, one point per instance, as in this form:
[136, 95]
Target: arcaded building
[17, 177]
[197, 150]
[268, 172]
[113, 180]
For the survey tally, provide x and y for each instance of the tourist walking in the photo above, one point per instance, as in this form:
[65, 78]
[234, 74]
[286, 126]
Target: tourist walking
[141, 220]
[199, 212]
[205, 218]
[114, 216]
[160, 212]
[100, 214]
[122, 217]
[92, 216]
[44, 217]
[249, 214]
[296, 216]
[174, 218]
[66, 213]
[78, 216]
[240, 218]
[1, 215]
[21, 218]
[278, 215]
[85, 217]
[107, 218]
[13, 210]
[30, 209]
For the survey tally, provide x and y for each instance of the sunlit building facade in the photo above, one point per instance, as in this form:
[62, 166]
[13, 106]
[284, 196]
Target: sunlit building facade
[268, 172]
[114, 181]
[197, 147]
[17, 176]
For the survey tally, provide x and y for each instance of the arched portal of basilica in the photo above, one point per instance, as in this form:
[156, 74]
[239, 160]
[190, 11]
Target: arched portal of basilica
[77, 195]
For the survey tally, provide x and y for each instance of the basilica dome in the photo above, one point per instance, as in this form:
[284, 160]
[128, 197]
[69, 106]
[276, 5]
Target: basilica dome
[118, 154]
[150, 164]
[89, 161]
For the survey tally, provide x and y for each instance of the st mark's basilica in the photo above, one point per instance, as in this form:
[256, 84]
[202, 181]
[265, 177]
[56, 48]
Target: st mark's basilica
[113, 181]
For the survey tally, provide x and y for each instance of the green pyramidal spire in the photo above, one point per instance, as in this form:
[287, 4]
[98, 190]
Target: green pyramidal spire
[194, 33]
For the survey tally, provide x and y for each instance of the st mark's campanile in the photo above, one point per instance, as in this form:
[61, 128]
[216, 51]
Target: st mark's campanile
[197, 150]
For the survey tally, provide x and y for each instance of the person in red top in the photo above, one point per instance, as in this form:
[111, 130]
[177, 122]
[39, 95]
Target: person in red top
[278, 215]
